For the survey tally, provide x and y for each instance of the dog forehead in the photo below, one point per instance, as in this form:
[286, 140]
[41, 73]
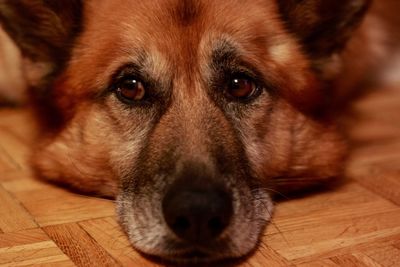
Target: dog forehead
[186, 12]
[175, 35]
[160, 20]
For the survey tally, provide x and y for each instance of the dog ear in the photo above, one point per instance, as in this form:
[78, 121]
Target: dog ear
[324, 26]
[44, 30]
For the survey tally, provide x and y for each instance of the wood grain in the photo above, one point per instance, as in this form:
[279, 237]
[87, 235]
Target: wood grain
[109, 235]
[14, 216]
[30, 247]
[354, 224]
[79, 246]
[50, 205]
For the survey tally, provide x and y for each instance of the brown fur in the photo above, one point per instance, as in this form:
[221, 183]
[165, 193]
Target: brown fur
[284, 140]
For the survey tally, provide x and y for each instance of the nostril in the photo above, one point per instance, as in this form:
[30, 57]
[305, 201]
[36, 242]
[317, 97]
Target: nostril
[181, 224]
[216, 225]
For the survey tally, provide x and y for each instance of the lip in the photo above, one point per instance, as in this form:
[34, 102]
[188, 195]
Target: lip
[198, 258]
[192, 256]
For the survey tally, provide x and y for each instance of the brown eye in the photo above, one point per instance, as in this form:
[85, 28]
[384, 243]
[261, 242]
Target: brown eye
[242, 88]
[131, 90]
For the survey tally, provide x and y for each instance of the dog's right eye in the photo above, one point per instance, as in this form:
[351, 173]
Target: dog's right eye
[242, 88]
[130, 90]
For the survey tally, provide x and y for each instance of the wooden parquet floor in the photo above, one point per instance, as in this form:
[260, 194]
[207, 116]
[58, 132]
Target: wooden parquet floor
[355, 224]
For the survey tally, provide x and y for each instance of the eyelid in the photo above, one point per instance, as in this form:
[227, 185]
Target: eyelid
[257, 76]
[130, 78]
[131, 72]
[127, 70]
[241, 68]
[261, 80]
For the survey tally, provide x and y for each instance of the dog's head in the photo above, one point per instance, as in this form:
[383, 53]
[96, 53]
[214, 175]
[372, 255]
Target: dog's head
[188, 112]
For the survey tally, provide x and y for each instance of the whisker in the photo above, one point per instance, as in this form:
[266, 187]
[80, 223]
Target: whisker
[262, 201]
[271, 190]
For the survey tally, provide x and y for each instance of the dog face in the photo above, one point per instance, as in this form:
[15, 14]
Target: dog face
[190, 113]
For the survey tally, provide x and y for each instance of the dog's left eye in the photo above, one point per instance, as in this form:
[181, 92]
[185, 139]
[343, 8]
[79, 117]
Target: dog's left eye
[242, 88]
[130, 90]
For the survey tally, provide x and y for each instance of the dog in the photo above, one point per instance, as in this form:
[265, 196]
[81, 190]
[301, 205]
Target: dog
[192, 113]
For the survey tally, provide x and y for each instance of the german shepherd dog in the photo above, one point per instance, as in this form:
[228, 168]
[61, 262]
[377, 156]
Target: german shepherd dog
[191, 113]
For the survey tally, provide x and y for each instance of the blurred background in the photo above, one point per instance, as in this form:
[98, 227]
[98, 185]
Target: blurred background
[12, 83]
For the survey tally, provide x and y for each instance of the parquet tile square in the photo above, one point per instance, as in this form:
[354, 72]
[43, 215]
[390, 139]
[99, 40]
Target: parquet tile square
[50, 205]
[14, 216]
[79, 246]
[107, 233]
[30, 247]
[386, 256]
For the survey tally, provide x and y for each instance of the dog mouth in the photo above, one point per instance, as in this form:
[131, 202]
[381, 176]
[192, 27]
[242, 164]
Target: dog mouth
[235, 243]
[195, 219]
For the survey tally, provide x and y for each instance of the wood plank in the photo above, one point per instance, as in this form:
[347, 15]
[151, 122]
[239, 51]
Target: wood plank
[266, 254]
[30, 252]
[358, 260]
[49, 261]
[319, 263]
[13, 217]
[345, 206]
[382, 182]
[363, 219]
[366, 260]
[386, 256]
[109, 235]
[30, 247]
[13, 174]
[14, 148]
[50, 205]
[328, 249]
[19, 122]
[329, 223]
[79, 246]
[6, 163]
[349, 193]
[374, 155]
[374, 132]
[22, 237]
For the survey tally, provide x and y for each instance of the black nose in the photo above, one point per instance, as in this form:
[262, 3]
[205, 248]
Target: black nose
[197, 212]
